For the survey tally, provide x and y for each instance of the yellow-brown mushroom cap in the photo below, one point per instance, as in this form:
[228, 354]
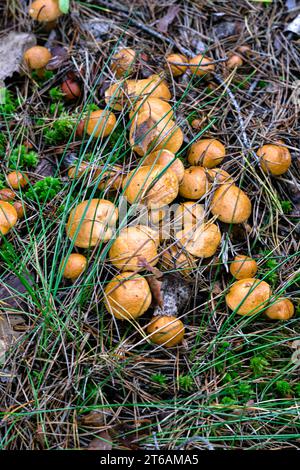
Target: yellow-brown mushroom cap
[248, 296]
[152, 105]
[188, 213]
[122, 61]
[201, 242]
[164, 158]
[274, 159]
[76, 171]
[207, 153]
[230, 204]
[281, 309]
[17, 179]
[74, 266]
[140, 186]
[201, 65]
[243, 267]
[37, 57]
[45, 10]
[173, 60]
[219, 176]
[176, 258]
[167, 331]
[127, 296]
[90, 222]
[8, 217]
[132, 246]
[234, 61]
[194, 183]
[100, 123]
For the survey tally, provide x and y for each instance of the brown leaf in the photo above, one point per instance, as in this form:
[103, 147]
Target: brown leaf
[102, 442]
[155, 287]
[164, 22]
[144, 134]
[59, 57]
[95, 418]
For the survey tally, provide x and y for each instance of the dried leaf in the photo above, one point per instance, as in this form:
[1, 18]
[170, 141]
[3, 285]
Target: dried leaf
[144, 134]
[59, 57]
[155, 287]
[12, 291]
[102, 442]
[164, 22]
[95, 418]
[227, 28]
[7, 333]
[12, 48]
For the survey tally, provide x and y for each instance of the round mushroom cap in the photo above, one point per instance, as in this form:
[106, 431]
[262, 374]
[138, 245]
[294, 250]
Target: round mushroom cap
[199, 65]
[243, 267]
[206, 152]
[281, 309]
[7, 194]
[167, 331]
[150, 106]
[8, 217]
[17, 179]
[218, 176]
[37, 57]
[275, 159]
[76, 171]
[100, 123]
[194, 183]
[201, 242]
[164, 158]
[173, 60]
[154, 132]
[177, 259]
[235, 61]
[139, 186]
[188, 213]
[122, 62]
[91, 221]
[230, 204]
[133, 246]
[248, 296]
[127, 296]
[45, 10]
[74, 266]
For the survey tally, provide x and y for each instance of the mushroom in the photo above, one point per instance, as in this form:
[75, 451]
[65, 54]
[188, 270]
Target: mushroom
[37, 57]
[166, 330]
[123, 61]
[132, 90]
[173, 61]
[74, 266]
[194, 183]
[76, 171]
[100, 123]
[7, 194]
[8, 217]
[218, 175]
[248, 296]
[45, 10]
[17, 179]
[175, 258]
[201, 242]
[275, 159]
[154, 132]
[164, 158]
[201, 65]
[71, 89]
[152, 105]
[91, 221]
[131, 247]
[151, 185]
[188, 213]
[127, 296]
[207, 153]
[281, 309]
[243, 267]
[230, 204]
[234, 61]
[19, 206]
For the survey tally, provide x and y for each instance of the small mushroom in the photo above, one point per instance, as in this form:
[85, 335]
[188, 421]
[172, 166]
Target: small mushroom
[45, 10]
[151, 185]
[37, 57]
[152, 105]
[201, 65]
[243, 267]
[71, 89]
[173, 61]
[91, 222]
[100, 123]
[201, 242]
[132, 246]
[127, 296]
[274, 159]
[188, 214]
[235, 61]
[74, 266]
[8, 217]
[123, 61]
[248, 296]
[19, 206]
[194, 183]
[207, 153]
[7, 194]
[167, 331]
[17, 179]
[281, 309]
[164, 158]
[76, 171]
[230, 204]
[176, 258]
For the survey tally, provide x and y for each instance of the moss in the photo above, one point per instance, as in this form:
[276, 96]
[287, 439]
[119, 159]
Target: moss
[44, 190]
[21, 158]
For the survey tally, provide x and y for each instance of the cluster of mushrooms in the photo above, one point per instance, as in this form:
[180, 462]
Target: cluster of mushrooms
[156, 183]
